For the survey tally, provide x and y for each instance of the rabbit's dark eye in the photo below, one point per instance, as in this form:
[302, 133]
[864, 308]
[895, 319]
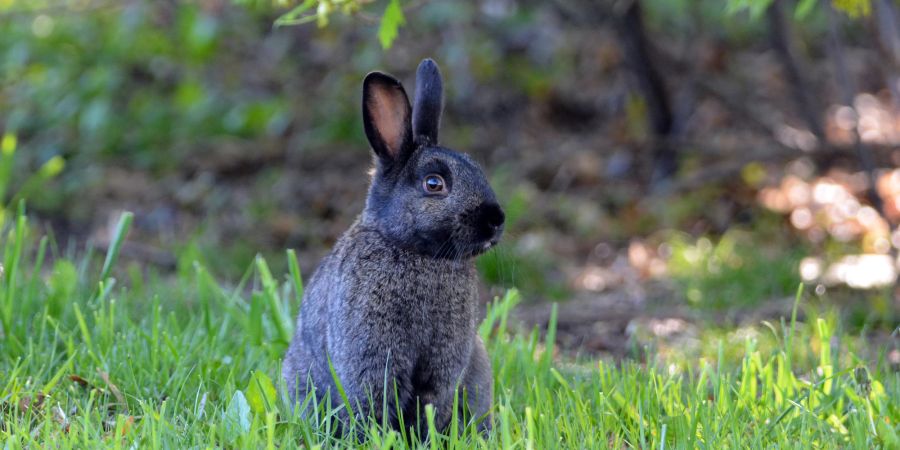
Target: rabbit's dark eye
[434, 184]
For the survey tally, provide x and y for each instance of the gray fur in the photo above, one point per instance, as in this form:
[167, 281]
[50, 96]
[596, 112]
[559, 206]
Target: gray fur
[394, 304]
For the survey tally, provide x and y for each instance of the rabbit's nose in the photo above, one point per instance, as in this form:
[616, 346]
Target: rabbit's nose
[492, 215]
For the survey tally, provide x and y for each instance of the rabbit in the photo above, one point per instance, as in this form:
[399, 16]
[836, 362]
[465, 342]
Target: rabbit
[392, 308]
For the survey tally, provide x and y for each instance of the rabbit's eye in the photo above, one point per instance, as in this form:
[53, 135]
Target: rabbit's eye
[434, 184]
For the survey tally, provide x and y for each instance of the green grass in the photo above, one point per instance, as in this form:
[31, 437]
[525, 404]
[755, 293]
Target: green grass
[186, 363]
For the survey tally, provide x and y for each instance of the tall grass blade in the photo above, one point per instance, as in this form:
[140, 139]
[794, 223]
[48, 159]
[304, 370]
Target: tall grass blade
[790, 341]
[115, 245]
[11, 265]
[282, 324]
[294, 268]
[8, 146]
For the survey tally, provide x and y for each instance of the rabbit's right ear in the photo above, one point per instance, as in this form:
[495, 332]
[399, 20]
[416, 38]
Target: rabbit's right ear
[386, 117]
[429, 103]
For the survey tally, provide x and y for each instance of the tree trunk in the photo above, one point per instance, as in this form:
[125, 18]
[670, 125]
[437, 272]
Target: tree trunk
[781, 39]
[650, 84]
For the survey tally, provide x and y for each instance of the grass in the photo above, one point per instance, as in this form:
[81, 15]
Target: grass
[88, 362]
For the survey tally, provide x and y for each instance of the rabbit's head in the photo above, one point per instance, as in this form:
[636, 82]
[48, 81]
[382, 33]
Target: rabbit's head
[424, 197]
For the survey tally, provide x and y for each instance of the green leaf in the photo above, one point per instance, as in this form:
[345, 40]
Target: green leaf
[261, 393]
[391, 22]
[297, 15]
[804, 8]
[8, 144]
[755, 7]
[237, 416]
[854, 8]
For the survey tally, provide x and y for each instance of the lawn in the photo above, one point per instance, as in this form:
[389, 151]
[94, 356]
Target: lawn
[98, 353]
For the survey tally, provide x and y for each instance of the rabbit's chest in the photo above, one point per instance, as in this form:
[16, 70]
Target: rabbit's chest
[427, 308]
[420, 309]
[436, 308]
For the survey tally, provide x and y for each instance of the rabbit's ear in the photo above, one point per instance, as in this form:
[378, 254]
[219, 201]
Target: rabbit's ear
[429, 103]
[386, 117]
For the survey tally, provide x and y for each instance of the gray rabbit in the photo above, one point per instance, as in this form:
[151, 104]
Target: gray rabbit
[393, 306]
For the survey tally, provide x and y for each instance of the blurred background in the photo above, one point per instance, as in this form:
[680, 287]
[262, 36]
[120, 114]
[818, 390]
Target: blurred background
[670, 168]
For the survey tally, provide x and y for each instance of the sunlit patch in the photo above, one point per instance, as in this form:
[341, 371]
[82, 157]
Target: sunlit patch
[873, 119]
[672, 333]
[810, 268]
[673, 369]
[827, 192]
[796, 138]
[876, 120]
[881, 245]
[798, 192]
[845, 118]
[832, 206]
[667, 327]
[801, 218]
[595, 279]
[638, 255]
[889, 190]
[865, 271]
[743, 334]
[646, 258]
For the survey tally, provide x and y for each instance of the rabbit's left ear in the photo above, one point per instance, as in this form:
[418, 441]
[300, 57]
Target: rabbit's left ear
[428, 103]
[386, 115]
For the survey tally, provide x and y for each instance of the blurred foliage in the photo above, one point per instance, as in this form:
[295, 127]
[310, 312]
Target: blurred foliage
[151, 85]
[140, 82]
[733, 271]
[506, 266]
[320, 11]
[28, 185]
[391, 20]
[155, 87]
[853, 8]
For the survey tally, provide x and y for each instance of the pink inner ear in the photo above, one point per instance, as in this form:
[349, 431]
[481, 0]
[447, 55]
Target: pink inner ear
[389, 114]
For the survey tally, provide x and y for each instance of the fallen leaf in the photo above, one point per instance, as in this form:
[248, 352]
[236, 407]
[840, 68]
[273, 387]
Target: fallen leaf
[115, 390]
[81, 381]
[33, 403]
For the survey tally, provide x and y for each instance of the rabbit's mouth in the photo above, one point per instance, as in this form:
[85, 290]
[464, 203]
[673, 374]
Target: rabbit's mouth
[491, 244]
[484, 246]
